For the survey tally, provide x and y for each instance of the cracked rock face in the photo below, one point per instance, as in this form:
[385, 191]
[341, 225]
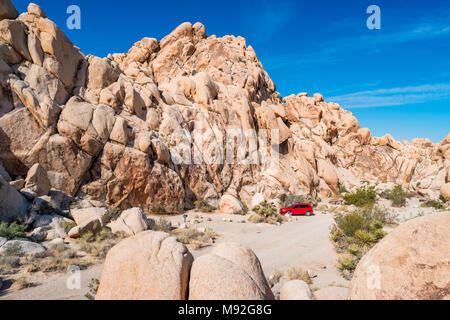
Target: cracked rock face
[111, 129]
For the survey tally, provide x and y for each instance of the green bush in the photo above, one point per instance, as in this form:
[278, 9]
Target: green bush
[162, 225]
[347, 263]
[398, 196]
[93, 289]
[11, 231]
[436, 204]
[265, 212]
[364, 237]
[354, 249]
[362, 197]
[265, 209]
[342, 189]
[351, 222]
[357, 231]
[379, 234]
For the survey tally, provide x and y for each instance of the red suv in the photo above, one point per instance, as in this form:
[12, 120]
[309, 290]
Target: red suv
[298, 209]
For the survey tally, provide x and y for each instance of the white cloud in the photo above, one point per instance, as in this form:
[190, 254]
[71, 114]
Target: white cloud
[394, 96]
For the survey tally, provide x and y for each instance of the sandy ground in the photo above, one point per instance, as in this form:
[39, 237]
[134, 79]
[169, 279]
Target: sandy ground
[302, 242]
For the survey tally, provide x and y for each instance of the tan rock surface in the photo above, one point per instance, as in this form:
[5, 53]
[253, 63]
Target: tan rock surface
[411, 263]
[148, 266]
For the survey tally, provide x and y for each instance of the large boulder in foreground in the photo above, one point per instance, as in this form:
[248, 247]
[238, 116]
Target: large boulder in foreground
[411, 263]
[148, 266]
[13, 205]
[229, 272]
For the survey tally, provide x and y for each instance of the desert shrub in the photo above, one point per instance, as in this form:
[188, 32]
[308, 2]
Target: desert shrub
[356, 232]
[21, 283]
[93, 289]
[265, 212]
[98, 244]
[203, 206]
[347, 263]
[342, 189]
[436, 204]
[162, 225]
[195, 239]
[48, 208]
[398, 196]
[12, 231]
[379, 234]
[354, 249]
[9, 261]
[364, 237]
[362, 197]
[296, 273]
[111, 215]
[254, 218]
[265, 209]
[381, 215]
[442, 199]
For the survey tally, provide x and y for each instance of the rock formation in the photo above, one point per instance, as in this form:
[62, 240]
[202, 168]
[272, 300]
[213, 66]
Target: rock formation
[114, 129]
[411, 263]
[229, 272]
[148, 266]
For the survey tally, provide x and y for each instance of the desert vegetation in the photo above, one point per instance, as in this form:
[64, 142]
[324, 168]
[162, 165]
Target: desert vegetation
[193, 238]
[13, 230]
[362, 197]
[397, 195]
[89, 250]
[265, 213]
[356, 231]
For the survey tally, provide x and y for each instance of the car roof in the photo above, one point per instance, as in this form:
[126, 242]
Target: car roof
[301, 204]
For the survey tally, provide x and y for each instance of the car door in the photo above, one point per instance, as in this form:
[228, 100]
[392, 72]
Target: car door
[302, 209]
[296, 209]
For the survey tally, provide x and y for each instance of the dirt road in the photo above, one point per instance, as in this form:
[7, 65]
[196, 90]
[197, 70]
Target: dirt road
[302, 243]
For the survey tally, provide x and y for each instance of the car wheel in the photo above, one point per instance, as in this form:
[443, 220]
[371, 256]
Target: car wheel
[308, 213]
[289, 214]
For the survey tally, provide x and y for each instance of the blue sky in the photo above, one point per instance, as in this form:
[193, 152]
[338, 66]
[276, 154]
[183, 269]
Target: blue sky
[395, 80]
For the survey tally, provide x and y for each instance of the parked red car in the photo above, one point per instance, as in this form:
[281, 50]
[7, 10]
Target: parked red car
[298, 209]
